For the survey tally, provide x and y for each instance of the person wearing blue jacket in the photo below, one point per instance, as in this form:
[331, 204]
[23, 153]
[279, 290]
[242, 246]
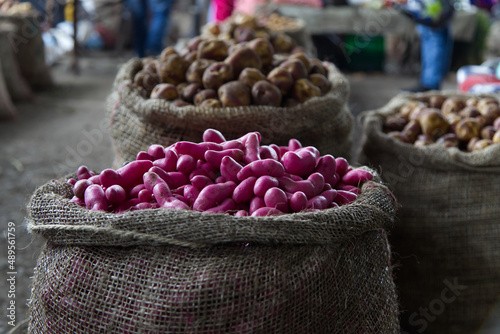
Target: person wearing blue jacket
[433, 18]
[150, 19]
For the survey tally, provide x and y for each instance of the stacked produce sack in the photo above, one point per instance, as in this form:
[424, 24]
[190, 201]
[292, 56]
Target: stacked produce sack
[439, 153]
[25, 41]
[216, 236]
[240, 77]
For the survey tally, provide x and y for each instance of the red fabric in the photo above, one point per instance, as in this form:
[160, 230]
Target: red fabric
[474, 79]
[223, 9]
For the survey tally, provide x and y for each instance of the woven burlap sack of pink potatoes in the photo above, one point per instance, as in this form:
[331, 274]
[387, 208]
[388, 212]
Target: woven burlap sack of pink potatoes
[438, 153]
[170, 261]
[236, 92]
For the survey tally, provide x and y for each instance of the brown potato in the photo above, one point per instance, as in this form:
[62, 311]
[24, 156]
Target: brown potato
[467, 129]
[423, 140]
[433, 123]
[452, 105]
[449, 140]
[481, 144]
[412, 130]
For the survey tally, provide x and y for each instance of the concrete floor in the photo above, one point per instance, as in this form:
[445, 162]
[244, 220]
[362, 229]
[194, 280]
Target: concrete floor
[39, 146]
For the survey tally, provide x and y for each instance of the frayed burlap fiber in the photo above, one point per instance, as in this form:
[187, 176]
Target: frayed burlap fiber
[136, 123]
[446, 242]
[166, 271]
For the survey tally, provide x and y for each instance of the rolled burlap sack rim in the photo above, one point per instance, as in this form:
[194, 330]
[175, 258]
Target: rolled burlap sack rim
[52, 215]
[434, 156]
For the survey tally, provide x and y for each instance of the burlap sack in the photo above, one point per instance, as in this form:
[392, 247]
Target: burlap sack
[136, 123]
[7, 109]
[446, 242]
[27, 45]
[164, 271]
[18, 88]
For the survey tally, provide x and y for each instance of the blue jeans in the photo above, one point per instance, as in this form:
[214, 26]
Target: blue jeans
[150, 21]
[436, 53]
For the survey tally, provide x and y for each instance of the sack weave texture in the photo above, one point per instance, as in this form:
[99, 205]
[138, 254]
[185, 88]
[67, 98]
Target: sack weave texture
[446, 242]
[167, 271]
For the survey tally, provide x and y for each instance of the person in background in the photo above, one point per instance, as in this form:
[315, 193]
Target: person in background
[433, 18]
[150, 20]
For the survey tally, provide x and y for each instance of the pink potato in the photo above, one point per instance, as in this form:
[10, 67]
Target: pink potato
[227, 205]
[127, 205]
[173, 179]
[276, 198]
[300, 162]
[259, 168]
[266, 211]
[327, 166]
[241, 213]
[214, 158]
[145, 206]
[115, 194]
[252, 149]
[294, 144]
[80, 187]
[310, 187]
[347, 187]
[220, 179]
[95, 179]
[71, 181]
[161, 192]
[151, 179]
[263, 184]
[186, 164]
[145, 195]
[169, 163]
[342, 166]
[276, 149]
[134, 192]
[313, 150]
[77, 200]
[230, 169]
[191, 193]
[95, 199]
[213, 136]
[197, 151]
[156, 151]
[237, 144]
[203, 168]
[298, 201]
[84, 173]
[267, 152]
[356, 176]
[130, 175]
[245, 190]
[213, 195]
[142, 155]
[256, 203]
[329, 194]
[345, 197]
[246, 136]
[318, 202]
[174, 203]
[200, 181]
